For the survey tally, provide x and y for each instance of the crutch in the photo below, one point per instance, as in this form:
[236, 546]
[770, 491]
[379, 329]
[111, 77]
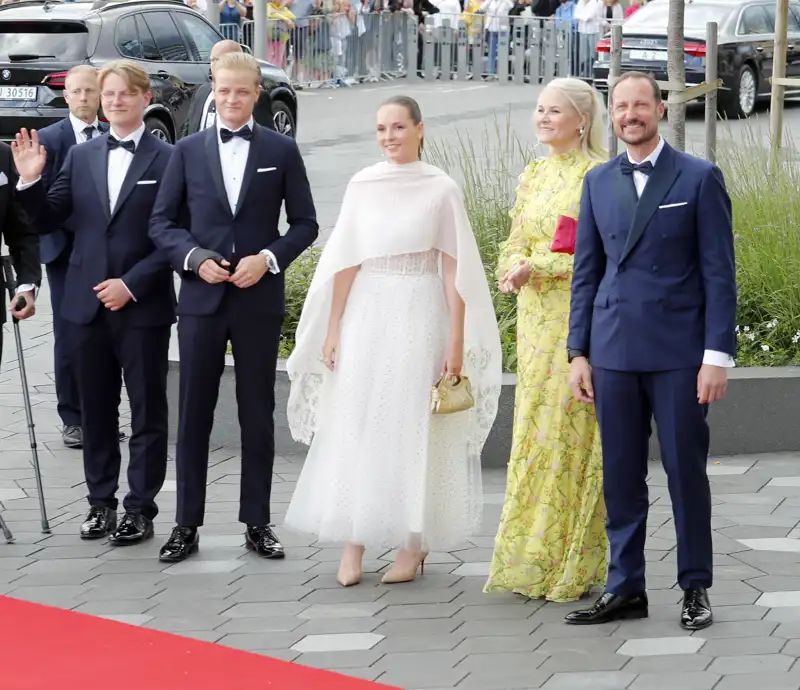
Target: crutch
[11, 285]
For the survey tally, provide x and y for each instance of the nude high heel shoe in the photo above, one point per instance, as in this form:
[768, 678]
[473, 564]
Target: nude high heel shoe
[406, 572]
[350, 566]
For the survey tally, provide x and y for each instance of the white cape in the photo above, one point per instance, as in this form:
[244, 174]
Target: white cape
[389, 210]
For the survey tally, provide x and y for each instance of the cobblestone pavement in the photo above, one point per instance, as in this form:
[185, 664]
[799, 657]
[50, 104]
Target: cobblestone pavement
[440, 631]
[437, 632]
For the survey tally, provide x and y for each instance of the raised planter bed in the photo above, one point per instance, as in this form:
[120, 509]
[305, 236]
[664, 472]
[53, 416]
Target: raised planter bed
[760, 414]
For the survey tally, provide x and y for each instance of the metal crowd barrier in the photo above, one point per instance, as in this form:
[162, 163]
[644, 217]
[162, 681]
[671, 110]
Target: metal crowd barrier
[341, 49]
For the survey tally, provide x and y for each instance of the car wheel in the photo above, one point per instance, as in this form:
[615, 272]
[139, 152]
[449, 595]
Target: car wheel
[741, 100]
[282, 118]
[158, 129]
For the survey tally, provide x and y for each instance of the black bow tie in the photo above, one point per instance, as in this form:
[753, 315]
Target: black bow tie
[114, 143]
[226, 135]
[628, 168]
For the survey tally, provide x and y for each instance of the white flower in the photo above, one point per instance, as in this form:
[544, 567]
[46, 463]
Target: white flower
[746, 329]
[750, 336]
[737, 329]
[796, 337]
[765, 348]
[772, 323]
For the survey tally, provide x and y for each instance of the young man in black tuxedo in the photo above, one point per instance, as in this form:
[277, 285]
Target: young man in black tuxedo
[203, 109]
[216, 216]
[119, 298]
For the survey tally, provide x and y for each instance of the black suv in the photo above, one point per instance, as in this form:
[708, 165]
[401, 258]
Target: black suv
[41, 39]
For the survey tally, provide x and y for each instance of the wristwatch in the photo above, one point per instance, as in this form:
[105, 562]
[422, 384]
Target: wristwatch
[573, 353]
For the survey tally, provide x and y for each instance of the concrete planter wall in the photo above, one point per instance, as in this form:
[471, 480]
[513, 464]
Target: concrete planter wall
[760, 414]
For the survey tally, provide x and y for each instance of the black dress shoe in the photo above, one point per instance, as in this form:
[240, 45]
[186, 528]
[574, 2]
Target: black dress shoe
[696, 610]
[610, 607]
[98, 523]
[132, 529]
[263, 541]
[181, 544]
[72, 436]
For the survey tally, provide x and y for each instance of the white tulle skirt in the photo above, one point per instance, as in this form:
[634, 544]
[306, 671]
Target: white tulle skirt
[382, 471]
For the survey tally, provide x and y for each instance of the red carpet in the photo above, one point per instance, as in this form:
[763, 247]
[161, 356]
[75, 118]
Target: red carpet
[44, 648]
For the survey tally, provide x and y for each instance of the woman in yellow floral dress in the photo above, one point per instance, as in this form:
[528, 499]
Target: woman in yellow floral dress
[551, 541]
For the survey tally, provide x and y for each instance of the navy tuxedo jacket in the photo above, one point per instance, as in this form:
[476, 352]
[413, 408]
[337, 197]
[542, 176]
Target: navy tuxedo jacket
[654, 281]
[109, 245]
[58, 139]
[192, 210]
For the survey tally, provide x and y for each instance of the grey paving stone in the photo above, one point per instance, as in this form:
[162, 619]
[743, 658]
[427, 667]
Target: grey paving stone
[259, 625]
[264, 610]
[589, 681]
[499, 664]
[346, 642]
[561, 662]
[687, 680]
[422, 678]
[411, 611]
[351, 610]
[185, 623]
[431, 643]
[506, 679]
[126, 607]
[770, 681]
[262, 641]
[327, 626]
[339, 659]
[739, 629]
[740, 646]
[753, 663]
[395, 661]
[669, 663]
[432, 626]
[498, 644]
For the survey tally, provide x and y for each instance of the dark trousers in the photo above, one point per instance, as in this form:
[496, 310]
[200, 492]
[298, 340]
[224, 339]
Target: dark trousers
[626, 402]
[202, 341]
[105, 351]
[69, 404]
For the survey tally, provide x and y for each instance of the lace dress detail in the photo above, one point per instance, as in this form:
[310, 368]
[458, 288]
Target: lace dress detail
[382, 470]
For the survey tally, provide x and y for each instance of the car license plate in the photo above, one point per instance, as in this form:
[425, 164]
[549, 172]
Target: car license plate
[649, 55]
[18, 93]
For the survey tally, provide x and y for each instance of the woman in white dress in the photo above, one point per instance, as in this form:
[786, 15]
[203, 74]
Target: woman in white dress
[399, 297]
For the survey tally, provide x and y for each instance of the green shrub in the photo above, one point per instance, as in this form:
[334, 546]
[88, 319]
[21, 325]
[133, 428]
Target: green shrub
[298, 280]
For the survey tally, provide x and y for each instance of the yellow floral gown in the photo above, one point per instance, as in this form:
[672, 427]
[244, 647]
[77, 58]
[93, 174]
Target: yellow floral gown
[551, 541]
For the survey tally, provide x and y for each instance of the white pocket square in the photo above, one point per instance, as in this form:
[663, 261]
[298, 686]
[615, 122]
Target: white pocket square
[3, 179]
[147, 181]
[266, 169]
[680, 203]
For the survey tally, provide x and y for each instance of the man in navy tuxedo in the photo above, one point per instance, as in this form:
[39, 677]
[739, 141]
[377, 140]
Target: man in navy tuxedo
[82, 95]
[119, 300]
[652, 333]
[216, 216]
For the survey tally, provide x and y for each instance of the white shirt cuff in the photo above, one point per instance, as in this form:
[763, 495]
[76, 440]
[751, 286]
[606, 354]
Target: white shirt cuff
[718, 359]
[133, 297]
[27, 287]
[272, 262]
[24, 185]
[186, 260]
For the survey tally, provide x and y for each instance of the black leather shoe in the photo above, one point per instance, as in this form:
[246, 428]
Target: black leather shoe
[132, 529]
[72, 436]
[98, 523]
[181, 544]
[696, 610]
[263, 541]
[610, 607]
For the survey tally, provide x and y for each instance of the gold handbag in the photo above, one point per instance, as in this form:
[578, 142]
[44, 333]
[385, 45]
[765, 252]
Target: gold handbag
[451, 394]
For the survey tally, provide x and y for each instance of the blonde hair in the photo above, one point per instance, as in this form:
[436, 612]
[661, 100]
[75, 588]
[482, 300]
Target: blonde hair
[588, 103]
[133, 75]
[81, 69]
[237, 61]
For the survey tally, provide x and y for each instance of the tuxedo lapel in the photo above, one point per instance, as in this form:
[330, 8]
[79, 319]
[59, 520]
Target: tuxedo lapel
[98, 165]
[249, 168]
[67, 135]
[215, 166]
[144, 155]
[659, 182]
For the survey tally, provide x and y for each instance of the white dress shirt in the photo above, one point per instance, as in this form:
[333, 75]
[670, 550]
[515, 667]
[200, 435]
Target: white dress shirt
[713, 357]
[78, 126]
[233, 161]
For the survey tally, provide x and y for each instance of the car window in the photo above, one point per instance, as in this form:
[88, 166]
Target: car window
[52, 40]
[794, 19]
[754, 21]
[201, 36]
[127, 38]
[149, 48]
[169, 41]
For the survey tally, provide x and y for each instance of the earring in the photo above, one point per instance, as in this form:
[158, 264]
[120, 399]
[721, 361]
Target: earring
[582, 131]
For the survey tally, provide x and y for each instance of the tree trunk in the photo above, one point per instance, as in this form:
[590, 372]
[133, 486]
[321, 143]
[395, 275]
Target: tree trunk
[676, 73]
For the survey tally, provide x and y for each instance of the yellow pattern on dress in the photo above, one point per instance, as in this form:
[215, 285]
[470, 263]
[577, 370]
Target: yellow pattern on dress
[551, 541]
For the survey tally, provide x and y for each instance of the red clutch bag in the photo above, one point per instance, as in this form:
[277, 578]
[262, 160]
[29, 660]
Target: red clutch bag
[564, 239]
